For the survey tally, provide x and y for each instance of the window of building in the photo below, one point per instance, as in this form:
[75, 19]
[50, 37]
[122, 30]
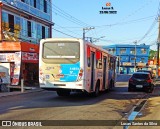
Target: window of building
[29, 28]
[11, 22]
[143, 51]
[133, 58]
[41, 5]
[17, 27]
[39, 32]
[34, 32]
[35, 3]
[45, 6]
[47, 32]
[38, 4]
[132, 51]
[43, 32]
[122, 50]
[142, 60]
[5, 26]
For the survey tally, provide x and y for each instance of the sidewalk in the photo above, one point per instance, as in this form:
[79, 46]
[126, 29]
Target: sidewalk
[4, 94]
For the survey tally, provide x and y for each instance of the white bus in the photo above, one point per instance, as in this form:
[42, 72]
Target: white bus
[70, 64]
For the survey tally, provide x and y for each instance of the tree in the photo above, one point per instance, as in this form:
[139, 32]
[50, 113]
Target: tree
[152, 54]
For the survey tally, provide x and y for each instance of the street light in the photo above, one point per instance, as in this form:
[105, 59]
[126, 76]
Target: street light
[135, 57]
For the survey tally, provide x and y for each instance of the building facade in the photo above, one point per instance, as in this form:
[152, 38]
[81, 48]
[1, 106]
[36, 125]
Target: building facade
[129, 57]
[23, 23]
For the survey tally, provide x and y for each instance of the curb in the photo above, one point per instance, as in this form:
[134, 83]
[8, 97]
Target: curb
[5, 94]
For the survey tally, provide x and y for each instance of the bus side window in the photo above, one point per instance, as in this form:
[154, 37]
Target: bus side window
[98, 60]
[88, 56]
[88, 61]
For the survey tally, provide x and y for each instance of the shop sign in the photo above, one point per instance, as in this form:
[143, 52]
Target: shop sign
[16, 75]
[7, 57]
[127, 64]
[26, 56]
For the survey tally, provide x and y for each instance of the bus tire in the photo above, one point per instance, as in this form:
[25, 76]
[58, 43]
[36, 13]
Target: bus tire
[111, 85]
[63, 92]
[96, 92]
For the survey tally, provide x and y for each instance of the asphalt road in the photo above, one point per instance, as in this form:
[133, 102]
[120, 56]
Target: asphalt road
[46, 105]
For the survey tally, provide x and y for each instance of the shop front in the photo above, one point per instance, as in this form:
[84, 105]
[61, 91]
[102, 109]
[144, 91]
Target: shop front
[19, 60]
[30, 68]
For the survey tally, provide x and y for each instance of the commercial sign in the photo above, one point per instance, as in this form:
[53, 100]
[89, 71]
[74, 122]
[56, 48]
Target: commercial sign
[7, 57]
[16, 75]
[30, 57]
[141, 64]
[127, 64]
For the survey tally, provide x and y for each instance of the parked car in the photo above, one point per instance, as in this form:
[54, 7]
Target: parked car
[141, 81]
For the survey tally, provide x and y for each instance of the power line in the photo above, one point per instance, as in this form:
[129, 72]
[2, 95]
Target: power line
[127, 22]
[69, 17]
[67, 29]
[64, 33]
[149, 30]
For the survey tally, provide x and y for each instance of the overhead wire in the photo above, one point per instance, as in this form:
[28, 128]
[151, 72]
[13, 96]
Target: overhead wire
[70, 18]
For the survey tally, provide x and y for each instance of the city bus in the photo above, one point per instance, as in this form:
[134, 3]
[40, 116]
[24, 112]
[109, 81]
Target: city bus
[70, 64]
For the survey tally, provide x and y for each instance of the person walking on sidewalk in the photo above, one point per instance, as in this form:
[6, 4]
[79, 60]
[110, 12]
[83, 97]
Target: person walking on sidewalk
[0, 82]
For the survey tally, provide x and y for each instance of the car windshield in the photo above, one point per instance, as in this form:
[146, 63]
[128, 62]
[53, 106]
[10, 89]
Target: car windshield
[140, 76]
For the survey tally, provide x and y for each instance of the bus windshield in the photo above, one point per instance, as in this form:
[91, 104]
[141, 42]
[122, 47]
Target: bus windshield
[61, 50]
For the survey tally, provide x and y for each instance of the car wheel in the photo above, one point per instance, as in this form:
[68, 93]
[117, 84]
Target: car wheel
[149, 90]
[129, 89]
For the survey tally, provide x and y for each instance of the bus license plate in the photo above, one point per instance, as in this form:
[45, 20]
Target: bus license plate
[139, 86]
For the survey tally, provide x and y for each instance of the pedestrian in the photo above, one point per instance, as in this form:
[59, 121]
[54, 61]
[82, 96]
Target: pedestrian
[0, 82]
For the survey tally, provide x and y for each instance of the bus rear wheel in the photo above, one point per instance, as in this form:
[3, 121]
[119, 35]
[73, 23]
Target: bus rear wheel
[63, 92]
[96, 92]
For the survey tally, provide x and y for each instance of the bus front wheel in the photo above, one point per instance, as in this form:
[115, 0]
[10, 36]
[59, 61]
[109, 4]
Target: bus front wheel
[63, 92]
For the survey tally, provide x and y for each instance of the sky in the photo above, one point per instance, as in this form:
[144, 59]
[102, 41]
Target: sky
[135, 21]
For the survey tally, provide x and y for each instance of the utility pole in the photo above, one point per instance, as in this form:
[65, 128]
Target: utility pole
[84, 31]
[135, 56]
[158, 44]
[1, 4]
